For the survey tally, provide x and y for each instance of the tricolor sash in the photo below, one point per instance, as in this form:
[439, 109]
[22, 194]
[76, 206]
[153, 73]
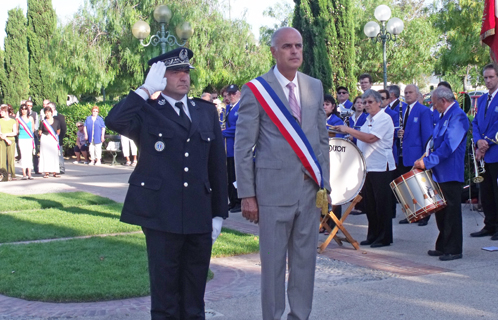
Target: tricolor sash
[26, 128]
[52, 132]
[288, 126]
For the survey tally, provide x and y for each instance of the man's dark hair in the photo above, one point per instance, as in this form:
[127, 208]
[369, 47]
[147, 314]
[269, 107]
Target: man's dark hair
[366, 75]
[445, 84]
[490, 66]
[394, 89]
[329, 98]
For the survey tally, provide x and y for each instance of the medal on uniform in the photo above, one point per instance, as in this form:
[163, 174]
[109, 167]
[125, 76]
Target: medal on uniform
[161, 102]
[193, 103]
[159, 146]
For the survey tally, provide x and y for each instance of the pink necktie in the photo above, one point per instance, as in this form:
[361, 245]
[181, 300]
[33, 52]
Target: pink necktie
[296, 110]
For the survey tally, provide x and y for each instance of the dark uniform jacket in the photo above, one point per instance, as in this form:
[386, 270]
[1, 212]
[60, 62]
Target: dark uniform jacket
[181, 188]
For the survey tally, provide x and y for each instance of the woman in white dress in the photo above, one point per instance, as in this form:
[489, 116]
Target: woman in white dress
[49, 144]
[25, 127]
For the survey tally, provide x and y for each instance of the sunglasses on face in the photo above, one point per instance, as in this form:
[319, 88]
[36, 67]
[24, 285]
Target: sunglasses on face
[79, 126]
[342, 92]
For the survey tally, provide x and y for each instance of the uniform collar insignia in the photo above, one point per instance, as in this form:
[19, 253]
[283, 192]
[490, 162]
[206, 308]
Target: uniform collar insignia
[161, 102]
[193, 103]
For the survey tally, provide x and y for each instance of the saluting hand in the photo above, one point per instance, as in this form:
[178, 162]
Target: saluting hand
[250, 209]
[155, 80]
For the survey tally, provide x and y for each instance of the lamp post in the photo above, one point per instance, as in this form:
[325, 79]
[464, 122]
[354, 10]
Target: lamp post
[387, 32]
[162, 14]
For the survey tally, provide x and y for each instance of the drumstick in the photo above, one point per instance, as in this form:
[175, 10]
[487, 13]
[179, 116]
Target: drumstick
[419, 159]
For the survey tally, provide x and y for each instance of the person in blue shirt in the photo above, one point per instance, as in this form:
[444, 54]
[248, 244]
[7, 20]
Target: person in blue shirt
[232, 114]
[331, 112]
[446, 158]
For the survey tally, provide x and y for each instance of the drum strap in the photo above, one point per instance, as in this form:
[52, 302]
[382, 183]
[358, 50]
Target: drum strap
[287, 125]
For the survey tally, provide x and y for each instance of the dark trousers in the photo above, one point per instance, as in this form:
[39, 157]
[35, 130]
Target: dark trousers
[178, 269]
[36, 159]
[232, 191]
[378, 203]
[489, 197]
[449, 219]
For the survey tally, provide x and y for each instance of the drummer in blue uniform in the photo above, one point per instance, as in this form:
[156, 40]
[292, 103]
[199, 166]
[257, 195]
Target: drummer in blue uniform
[446, 159]
[232, 114]
[178, 190]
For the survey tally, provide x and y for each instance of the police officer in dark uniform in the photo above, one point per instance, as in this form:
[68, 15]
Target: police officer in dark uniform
[178, 191]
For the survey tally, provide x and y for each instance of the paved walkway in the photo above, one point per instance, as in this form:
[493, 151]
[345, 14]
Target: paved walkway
[396, 282]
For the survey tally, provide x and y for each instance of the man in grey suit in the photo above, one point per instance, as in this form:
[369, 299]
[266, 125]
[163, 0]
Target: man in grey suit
[275, 188]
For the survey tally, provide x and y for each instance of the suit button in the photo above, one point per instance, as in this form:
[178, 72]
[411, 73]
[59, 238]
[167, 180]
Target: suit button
[188, 140]
[185, 184]
[186, 154]
[160, 134]
[209, 139]
[142, 184]
[210, 189]
[186, 169]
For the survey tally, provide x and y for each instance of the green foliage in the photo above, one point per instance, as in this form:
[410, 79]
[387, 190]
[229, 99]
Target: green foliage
[3, 76]
[410, 58]
[106, 55]
[16, 59]
[328, 39]
[461, 56]
[41, 27]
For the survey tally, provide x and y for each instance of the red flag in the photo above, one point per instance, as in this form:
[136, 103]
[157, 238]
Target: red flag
[489, 24]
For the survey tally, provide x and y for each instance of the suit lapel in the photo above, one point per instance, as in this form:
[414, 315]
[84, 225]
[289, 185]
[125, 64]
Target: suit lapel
[194, 116]
[304, 91]
[277, 87]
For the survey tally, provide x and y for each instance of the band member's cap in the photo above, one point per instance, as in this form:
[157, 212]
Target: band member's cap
[177, 59]
[232, 88]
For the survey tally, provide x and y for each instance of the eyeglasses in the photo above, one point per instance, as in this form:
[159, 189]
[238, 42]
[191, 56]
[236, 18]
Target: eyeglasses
[342, 92]
[384, 98]
[369, 102]
[231, 93]
[79, 126]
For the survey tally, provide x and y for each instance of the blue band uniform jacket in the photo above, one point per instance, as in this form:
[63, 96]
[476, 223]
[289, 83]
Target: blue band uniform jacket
[181, 188]
[418, 129]
[486, 126]
[450, 138]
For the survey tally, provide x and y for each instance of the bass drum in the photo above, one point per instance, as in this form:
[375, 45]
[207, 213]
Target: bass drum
[347, 170]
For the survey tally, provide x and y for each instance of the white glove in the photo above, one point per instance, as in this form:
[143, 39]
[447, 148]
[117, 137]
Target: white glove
[155, 80]
[217, 223]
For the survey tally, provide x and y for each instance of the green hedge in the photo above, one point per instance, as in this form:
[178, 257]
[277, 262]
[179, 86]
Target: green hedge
[79, 112]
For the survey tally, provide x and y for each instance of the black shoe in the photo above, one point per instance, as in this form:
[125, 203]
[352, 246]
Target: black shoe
[495, 236]
[236, 209]
[404, 221]
[422, 223]
[379, 244]
[434, 253]
[449, 257]
[357, 212]
[365, 243]
[482, 233]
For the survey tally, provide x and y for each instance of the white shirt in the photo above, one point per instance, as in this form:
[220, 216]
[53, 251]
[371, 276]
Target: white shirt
[284, 82]
[172, 102]
[378, 155]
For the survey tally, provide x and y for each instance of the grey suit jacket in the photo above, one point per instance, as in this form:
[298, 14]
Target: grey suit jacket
[276, 175]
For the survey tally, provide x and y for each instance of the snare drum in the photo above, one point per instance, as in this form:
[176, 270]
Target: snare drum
[418, 194]
[347, 170]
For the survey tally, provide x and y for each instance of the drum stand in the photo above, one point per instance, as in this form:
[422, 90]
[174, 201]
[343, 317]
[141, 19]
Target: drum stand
[338, 225]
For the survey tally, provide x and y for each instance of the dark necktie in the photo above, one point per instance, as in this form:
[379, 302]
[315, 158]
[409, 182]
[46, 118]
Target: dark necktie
[487, 104]
[183, 117]
[405, 119]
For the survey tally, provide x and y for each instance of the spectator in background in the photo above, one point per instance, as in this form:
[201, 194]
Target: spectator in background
[126, 145]
[214, 95]
[49, 144]
[8, 132]
[206, 96]
[81, 147]
[25, 127]
[36, 120]
[62, 134]
[365, 82]
[94, 133]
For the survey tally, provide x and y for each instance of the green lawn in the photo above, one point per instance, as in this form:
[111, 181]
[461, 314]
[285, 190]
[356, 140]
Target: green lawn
[90, 269]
